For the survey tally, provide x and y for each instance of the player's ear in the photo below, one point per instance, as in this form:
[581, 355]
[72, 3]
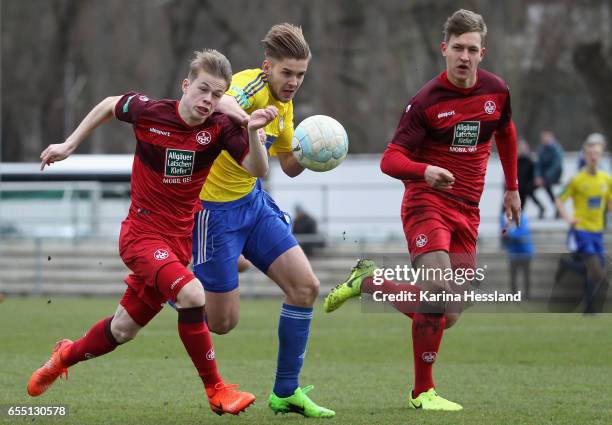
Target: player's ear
[482, 53]
[185, 85]
[443, 47]
[266, 66]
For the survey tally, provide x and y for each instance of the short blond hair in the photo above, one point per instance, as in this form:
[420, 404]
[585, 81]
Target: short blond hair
[212, 62]
[595, 139]
[286, 41]
[463, 21]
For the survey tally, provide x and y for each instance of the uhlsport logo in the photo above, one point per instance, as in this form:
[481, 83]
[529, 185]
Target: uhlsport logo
[211, 354]
[429, 356]
[421, 241]
[160, 254]
[446, 114]
[203, 137]
[490, 107]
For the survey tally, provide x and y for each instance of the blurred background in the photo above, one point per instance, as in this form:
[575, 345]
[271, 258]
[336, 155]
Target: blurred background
[58, 58]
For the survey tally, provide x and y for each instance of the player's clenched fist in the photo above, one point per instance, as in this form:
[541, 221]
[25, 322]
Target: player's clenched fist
[55, 152]
[262, 117]
[439, 178]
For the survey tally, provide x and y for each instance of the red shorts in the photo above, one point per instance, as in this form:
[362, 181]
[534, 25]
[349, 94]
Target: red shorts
[159, 268]
[434, 222]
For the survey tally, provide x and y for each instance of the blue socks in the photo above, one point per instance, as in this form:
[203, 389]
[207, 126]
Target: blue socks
[293, 330]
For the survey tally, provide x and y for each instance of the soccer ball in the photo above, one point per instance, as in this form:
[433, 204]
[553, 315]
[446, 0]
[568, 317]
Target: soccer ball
[319, 143]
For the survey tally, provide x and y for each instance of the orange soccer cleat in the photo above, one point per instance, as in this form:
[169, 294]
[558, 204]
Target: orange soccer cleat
[45, 376]
[225, 398]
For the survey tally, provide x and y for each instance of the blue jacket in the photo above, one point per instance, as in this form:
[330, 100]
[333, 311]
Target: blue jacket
[517, 240]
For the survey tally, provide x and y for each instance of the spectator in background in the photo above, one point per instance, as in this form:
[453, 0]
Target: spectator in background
[550, 164]
[519, 245]
[305, 225]
[526, 176]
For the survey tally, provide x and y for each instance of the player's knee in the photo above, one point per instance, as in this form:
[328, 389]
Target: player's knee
[123, 331]
[451, 319]
[306, 291]
[243, 264]
[191, 295]
[222, 326]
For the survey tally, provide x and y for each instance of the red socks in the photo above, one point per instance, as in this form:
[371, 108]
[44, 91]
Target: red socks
[427, 332]
[389, 287]
[427, 329]
[97, 341]
[196, 338]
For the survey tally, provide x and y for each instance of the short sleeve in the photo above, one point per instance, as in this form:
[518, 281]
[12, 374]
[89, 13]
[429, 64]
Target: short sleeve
[412, 128]
[247, 88]
[130, 106]
[568, 190]
[283, 142]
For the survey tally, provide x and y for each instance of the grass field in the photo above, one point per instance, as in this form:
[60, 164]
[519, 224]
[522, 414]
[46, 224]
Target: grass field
[504, 369]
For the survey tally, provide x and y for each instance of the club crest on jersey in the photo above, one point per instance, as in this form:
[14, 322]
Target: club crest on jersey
[490, 107]
[179, 163]
[203, 137]
[281, 123]
[160, 254]
[465, 137]
[420, 241]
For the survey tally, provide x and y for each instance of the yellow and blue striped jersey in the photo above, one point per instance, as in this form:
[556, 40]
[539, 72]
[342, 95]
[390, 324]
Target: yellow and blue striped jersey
[227, 180]
[590, 194]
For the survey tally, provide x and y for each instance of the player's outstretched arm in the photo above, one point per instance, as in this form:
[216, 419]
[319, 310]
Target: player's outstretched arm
[230, 107]
[289, 164]
[256, 161]
[100, 114]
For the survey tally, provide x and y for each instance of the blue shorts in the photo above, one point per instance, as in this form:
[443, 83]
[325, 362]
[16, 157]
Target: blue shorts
[252, 225]
[583, 242]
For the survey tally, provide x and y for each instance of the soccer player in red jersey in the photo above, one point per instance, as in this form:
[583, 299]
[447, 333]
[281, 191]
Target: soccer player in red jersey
[440, 151]
[176, 144]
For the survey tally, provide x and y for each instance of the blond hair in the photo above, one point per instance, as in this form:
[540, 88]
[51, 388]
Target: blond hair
[212, 62]
[595, 139]
[285, 41]
[463, 21]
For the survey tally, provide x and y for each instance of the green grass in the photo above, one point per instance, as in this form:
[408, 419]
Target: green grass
[504, 368]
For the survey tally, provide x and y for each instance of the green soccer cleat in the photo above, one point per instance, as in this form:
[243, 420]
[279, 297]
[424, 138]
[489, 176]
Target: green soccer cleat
[351, 287]
[430, 400]
[300, 403]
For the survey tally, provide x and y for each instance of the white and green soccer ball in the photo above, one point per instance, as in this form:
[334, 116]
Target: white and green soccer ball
[320, 143]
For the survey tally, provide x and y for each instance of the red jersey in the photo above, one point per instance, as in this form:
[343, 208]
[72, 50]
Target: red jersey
[172, 161]
[450, 127]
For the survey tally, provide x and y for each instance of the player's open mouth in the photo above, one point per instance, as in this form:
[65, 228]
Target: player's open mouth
[202, 111]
